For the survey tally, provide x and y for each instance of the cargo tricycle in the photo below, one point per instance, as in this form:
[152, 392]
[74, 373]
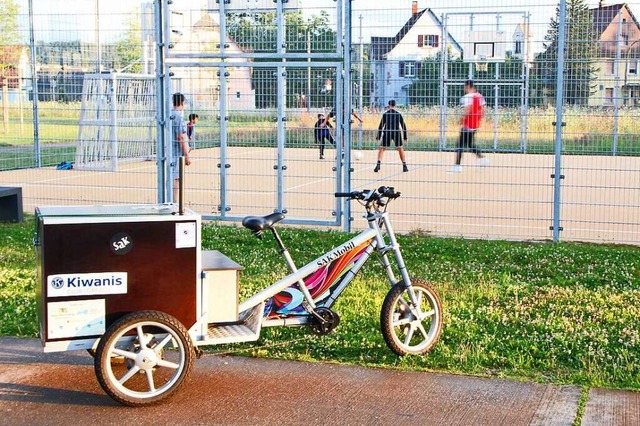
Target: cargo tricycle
[132, 285]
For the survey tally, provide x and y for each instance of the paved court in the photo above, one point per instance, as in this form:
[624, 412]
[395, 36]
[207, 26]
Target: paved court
[510, 199]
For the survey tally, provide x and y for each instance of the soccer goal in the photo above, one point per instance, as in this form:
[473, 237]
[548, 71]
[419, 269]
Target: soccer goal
[117, 121]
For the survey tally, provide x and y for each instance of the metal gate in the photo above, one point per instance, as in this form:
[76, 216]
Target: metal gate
[259, 73]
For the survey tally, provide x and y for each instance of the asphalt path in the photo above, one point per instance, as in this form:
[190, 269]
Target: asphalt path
[61, 388]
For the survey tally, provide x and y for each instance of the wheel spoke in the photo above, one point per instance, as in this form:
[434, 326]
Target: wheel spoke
[123, 353]
[163, 343]
[132, 372]
[407, 339]
[168, 364]
[141, 339]
[152, 386]
[401, 321]
[422, 330]
[419, 299]
[428, 314]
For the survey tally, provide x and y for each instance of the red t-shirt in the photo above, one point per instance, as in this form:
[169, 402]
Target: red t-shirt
[474, 110]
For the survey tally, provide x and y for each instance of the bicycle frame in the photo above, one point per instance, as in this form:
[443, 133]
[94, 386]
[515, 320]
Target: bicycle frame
[320, 282]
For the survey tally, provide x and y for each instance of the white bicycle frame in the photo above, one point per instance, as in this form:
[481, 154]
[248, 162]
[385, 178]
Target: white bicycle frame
[374, 233]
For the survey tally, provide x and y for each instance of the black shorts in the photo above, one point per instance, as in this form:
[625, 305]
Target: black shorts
[387, 137]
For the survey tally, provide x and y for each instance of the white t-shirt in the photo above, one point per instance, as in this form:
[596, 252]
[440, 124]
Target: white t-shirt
[467, 99]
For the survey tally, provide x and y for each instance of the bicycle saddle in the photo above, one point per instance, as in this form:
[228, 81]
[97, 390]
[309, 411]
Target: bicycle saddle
[259, 223]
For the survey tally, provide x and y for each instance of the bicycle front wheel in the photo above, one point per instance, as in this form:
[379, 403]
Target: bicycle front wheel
[408, 331]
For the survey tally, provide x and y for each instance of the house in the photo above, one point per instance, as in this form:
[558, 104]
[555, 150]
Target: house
[521, 43]
[617, 57]
[395, 61]
[202, 84]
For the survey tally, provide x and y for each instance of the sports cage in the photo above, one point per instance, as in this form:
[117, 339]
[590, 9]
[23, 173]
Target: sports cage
[559, 79]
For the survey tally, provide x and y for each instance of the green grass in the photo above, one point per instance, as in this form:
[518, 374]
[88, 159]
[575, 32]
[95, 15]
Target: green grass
[551, 313]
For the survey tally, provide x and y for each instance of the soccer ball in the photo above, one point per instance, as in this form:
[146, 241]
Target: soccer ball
[357, 155]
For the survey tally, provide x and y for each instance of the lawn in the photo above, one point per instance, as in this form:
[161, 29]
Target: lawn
[554, 313]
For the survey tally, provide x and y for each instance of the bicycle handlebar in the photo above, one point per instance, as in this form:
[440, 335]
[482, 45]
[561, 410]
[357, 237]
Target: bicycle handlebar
[370, 195]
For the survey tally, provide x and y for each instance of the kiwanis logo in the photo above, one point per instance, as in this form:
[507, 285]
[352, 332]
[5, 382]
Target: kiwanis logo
[57, 283]
[62, 285]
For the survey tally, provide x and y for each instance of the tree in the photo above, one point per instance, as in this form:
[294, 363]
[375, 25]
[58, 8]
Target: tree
[257, 32]
[128, 50]
[10, 41]
[580, 50]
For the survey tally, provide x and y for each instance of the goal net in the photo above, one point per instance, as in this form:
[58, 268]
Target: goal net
[117, 121]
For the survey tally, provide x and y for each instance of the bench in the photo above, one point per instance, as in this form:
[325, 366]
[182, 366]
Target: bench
[10, 204]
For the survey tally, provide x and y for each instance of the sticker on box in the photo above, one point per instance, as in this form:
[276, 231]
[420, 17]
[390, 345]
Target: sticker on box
[75, 318]
[185, 234]
[94, 284]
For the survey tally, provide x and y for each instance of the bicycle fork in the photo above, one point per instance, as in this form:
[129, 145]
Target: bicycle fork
[384, 249]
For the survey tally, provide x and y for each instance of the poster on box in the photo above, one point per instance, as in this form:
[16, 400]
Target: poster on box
[75, 318]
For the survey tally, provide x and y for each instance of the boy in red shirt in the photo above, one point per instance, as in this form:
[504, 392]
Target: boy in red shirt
[473, 104]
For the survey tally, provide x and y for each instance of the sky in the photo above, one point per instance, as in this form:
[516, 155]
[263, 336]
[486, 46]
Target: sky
[75, 19]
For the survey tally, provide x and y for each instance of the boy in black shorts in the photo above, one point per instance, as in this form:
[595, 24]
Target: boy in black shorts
[389, 129]
[321, 132]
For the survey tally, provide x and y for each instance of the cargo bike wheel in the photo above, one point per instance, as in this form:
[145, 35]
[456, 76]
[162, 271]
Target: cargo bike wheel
[411, 331]
[157, 355]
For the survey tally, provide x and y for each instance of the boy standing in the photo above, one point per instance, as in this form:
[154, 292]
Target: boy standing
[321, 132]
[191, 130]
[179, 145]
[389, 129]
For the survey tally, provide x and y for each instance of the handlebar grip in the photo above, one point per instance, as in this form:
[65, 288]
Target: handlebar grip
[388, 191]
[343, 194]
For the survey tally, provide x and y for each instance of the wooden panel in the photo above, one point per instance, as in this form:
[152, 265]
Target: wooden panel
[160, 277]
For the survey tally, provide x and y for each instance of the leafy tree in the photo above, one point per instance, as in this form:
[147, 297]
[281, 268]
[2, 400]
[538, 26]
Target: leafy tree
[10, 41]
[257, 33]
[127, 52]
[580, 50]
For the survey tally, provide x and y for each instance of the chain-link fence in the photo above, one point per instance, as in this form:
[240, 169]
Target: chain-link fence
[275, 85]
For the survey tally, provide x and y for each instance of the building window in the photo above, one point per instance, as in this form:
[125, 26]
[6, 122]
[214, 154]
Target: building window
[633, 67]
[407, 69]
[609, 68]
[608, 95]
[428, 40]
[518, 49]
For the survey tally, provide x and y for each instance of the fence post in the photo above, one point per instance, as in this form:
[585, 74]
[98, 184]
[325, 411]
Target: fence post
[161, 103]
[34, 89]
[442, 140]
[346, 113]
[617, 92]
[281, 105]
[556, 228]
[222, 113]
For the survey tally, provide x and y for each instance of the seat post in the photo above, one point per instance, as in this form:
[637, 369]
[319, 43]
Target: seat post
[283, 250]
[292, 267]
[278, 240]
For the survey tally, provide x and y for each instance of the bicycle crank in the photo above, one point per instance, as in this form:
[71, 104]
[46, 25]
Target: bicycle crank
[323, 321]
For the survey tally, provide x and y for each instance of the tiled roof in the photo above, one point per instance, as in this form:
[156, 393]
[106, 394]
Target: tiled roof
[380, 46]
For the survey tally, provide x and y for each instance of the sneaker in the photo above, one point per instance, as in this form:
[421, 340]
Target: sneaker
[377, 168]
[455, 169]
[484, 161]
[321, 157]
[405, 168]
